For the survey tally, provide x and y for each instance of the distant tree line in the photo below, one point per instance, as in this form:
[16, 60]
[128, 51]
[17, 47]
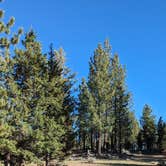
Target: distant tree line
[42, 119]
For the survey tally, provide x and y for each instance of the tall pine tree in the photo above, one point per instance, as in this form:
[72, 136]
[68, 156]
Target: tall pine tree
[120, 106]
[84, 116]
[100, 89]
[10, 95]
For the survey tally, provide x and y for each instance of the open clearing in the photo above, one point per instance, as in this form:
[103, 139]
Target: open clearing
[135, 160]
[109, 163]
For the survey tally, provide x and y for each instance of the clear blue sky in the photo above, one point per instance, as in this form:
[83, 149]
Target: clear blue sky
[136, 29]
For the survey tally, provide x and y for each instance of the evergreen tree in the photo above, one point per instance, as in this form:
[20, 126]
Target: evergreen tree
[104, 104]
[140, 140]
[68, 105]
[53, 128]
[99, 86]
[37, 103]
[160, 132]
[83, 121]
[68, 112]
[163, 142]
[134, 129]
[43, 97]
[148, 127]
[29, 69]
[120, 106]
[9, 101]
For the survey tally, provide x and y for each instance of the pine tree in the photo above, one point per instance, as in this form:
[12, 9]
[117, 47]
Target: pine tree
[9, 101]
[99, 87]
[30, 75]
[68, 105]
[8, 115]
[84, 116]
[163, 142]
[57, 76]
[131, 140]
[37, 100]
[148, 127]
[105, 103]
[120, 106]
[140, 140]
[42, 88]
[160, 132]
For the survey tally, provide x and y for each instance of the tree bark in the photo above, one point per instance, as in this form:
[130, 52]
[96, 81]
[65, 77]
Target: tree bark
[91, 140]
[7, 159]
[84, 141]
[115, 127]
[21, 162]
[120, 136]
[99, 143]
[47, 159]
[104, 143]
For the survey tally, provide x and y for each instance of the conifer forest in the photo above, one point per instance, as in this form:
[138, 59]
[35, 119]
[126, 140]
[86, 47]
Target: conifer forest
[47, 114]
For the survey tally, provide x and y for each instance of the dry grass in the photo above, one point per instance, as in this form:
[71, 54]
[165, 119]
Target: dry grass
[110, 163]
[135, 160]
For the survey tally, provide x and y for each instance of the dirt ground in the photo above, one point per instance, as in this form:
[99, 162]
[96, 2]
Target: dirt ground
[132, 160]
[109, 163]
[135, 160]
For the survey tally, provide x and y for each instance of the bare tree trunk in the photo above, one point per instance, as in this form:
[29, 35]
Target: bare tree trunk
[104, 143]
[91, 140]
[7, 159]
[99, 143]
[47, 159]
[120, 136]
[115, 129]
[21, 162]
[96, 142]
[84, 141]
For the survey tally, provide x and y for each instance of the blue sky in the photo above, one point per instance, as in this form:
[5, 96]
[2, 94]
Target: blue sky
[136, 30]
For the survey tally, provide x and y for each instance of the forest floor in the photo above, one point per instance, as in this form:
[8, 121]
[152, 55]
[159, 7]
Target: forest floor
[133, 160]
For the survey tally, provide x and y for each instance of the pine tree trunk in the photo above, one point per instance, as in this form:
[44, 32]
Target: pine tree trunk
[79, 141]
[96, 143]
[105, 141]
[99, 143]
[115, 128]
[115, 142]
[84, 142]
[91, 140]
[120, 138]
[47, 160]
[7, 159]
[105, 134]
[112, 141]
[21, 162]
